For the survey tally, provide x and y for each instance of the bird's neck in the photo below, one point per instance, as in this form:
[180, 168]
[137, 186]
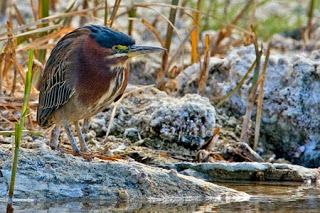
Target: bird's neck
[98, 73]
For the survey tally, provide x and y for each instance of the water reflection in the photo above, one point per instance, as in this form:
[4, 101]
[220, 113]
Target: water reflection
[102, 206]
[282, 197]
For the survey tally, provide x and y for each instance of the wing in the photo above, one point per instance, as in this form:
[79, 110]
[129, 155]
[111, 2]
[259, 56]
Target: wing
[57, 86]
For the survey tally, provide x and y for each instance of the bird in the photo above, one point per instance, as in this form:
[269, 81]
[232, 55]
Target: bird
[86, 71]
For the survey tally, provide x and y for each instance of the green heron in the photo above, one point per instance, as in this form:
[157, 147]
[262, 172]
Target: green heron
[86, 71]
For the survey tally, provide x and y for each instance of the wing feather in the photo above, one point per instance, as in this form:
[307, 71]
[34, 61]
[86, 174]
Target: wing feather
[57, 86]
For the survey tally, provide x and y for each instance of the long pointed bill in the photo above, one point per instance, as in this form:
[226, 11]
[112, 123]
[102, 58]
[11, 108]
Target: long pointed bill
[141, 50]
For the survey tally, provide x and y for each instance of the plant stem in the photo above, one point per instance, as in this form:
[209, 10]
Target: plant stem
[132, 14]
[161, 73]
[205, 69]
[18, 129]
[106, 13]
[195, 35]
[43, 12]
[114, 12]
[260, 99]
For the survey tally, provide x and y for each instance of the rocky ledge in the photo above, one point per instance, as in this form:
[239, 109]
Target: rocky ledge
[247, 171]
[44, 175]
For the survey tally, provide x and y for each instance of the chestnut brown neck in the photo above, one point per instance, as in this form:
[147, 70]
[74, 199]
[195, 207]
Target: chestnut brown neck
[95, 71]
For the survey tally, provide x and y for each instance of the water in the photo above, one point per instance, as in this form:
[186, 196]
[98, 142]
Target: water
[281, 197]
[278, 197]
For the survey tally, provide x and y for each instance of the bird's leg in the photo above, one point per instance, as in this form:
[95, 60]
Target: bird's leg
[83, 145]
[86, 123]
[71, 138]
[54, 140]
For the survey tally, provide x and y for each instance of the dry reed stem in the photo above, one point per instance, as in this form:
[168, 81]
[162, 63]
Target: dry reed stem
[132, 14]
[30, 122]
[153, 30]
[38, 30]
[9, 51]
[164, 17]
[95, 4]
[67, 20]
[114, 12]
[205, 69]
[160, 82]
[183, 4]
[14, 81]
[246, 124]
[39, 41]
[247, 118]
[34, 10]
[43, 10]
[195, 35]
[105, 13]
[20, 70]
[9, 122]
[260, 100]
[248, 38]
[83, 19]
[36, 83]
[258, 59]
[18, 15]
[11, 113]
[180, 49]
[308, 30]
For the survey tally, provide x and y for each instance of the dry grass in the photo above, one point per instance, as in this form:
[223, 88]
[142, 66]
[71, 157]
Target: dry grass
[205, 68]
[167, 43]
[246, 124]
[195, 35]
[260, 99]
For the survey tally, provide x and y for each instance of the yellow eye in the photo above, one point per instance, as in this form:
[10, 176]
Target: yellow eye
[119, 47]
[115, 47]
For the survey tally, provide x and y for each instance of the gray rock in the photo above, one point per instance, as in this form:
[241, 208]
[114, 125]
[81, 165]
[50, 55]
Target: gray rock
[246, 171]
[188, 120]
[291, 102]
[291, 106]
[52, 175]
[3, 189]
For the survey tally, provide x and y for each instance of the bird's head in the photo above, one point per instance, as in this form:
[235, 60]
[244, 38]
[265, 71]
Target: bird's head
[118, 44]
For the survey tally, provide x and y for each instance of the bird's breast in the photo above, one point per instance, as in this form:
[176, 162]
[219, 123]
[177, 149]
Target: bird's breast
[115, 87]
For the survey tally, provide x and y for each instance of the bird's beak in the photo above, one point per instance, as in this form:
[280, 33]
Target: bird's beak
[141, 50]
